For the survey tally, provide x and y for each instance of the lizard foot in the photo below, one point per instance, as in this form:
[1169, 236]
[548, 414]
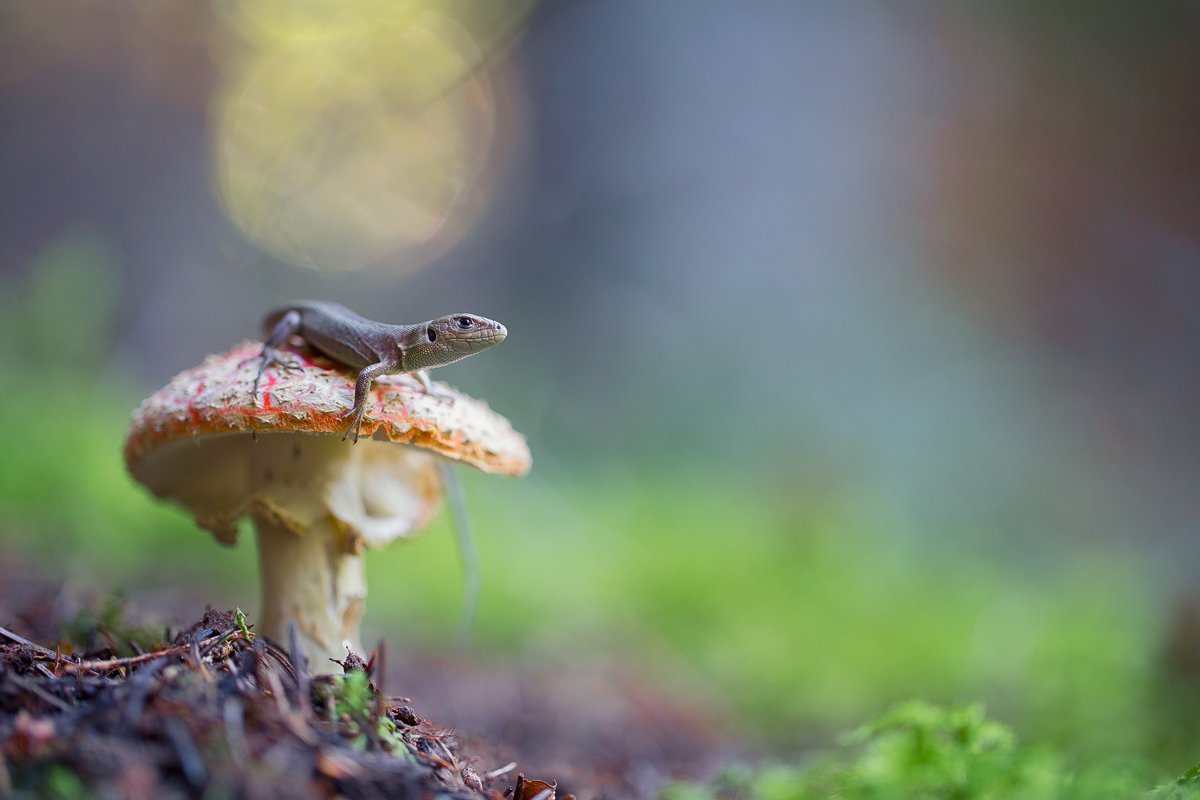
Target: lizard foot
[355, 423]
[267, 359]
[286, 364]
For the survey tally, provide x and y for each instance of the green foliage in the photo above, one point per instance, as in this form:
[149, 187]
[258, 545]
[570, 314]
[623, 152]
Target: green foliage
[352, 696]
[919, 750]
[63, 784]
[239, 617]
[354, 706]
[1186, 788]
[802, 618]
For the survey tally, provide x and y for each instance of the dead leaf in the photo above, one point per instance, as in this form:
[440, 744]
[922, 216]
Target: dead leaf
[533, 789]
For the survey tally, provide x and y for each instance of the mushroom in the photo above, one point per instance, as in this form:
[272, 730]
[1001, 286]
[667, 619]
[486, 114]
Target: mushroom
[316, 502]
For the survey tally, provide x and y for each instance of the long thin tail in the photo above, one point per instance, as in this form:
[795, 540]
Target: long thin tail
[468, 557]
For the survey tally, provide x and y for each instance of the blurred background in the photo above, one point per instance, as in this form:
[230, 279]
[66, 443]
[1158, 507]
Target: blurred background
[854, 342]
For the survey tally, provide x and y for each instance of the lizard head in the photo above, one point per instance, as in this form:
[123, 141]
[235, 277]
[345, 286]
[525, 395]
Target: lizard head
[452, 338]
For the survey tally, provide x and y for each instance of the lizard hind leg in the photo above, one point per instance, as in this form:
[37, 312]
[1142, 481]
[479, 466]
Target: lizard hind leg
[287, 325]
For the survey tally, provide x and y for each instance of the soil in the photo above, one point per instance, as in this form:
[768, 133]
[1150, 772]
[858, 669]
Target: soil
[93, 706]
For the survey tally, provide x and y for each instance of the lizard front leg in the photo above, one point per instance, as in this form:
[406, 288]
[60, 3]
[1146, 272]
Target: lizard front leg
[362, 388]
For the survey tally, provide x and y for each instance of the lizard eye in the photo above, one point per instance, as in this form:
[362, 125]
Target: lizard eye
[465, 323]
[431, 333]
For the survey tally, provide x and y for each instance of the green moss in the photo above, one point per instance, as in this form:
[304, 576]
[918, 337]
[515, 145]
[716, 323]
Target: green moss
[919, 750]
[352, 704]
[61, 783]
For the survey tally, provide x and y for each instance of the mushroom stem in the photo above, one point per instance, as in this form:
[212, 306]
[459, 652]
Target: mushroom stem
[310, 577]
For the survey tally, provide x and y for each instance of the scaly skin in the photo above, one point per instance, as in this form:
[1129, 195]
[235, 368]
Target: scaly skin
[375, 348]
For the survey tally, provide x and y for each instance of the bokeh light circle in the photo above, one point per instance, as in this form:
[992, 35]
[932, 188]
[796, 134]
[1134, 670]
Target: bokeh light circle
[352, 135]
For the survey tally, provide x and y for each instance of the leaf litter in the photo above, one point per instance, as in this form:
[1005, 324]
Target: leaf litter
[216, 711]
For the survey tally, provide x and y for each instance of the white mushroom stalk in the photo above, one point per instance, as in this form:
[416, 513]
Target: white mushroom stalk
[317, 503]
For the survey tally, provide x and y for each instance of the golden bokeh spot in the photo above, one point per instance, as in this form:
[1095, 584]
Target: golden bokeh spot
[350, 133]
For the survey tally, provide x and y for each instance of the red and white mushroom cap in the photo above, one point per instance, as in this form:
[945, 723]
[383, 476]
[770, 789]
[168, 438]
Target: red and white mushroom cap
[184, 443]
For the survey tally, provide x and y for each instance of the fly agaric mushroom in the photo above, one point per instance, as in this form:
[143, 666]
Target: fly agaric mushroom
[317, 502]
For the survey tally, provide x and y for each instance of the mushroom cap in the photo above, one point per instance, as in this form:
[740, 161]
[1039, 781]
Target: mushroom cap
[191, 442]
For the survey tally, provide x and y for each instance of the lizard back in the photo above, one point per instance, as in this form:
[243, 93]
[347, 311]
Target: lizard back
[339, 333]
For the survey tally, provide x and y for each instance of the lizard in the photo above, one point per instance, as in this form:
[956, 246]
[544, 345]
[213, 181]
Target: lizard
[378, 348]
[374, 348]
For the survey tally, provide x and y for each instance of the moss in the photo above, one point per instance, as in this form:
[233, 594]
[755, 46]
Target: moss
[919, 750]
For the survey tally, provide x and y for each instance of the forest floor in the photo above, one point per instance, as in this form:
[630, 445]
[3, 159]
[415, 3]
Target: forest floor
[96, 703]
